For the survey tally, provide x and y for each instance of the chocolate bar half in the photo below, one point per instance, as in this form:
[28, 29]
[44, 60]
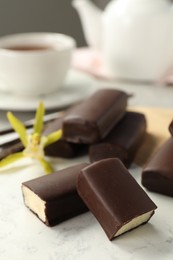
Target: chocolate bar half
[54, 198]
[62, 148]
[91, 120]
[157, 176]
[123, 141]
[114, 197]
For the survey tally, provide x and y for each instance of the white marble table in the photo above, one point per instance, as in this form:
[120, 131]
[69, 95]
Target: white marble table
[24, 236]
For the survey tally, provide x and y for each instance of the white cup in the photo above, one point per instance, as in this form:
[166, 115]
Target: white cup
[34, 64]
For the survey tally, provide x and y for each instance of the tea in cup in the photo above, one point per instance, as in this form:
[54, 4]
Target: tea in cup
[34, 64]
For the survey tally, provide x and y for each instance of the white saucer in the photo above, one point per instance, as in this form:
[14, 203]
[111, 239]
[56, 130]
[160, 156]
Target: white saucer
[77, 86]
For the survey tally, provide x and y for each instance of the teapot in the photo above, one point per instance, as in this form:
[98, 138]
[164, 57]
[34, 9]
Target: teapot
[134, 37]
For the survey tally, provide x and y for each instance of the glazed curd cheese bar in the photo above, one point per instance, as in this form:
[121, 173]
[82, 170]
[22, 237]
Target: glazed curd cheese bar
[114, 197]
[92, 119]
[54, 198]
[62, 148]
[123, 141]
[157, 176]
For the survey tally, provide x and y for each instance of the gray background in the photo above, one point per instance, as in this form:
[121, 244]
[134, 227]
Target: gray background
[42, 16]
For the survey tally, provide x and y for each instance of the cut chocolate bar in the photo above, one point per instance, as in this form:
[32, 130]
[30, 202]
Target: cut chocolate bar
[157, 176]
[62, 148]
[123, 141]
[114, 197]
[171, 128]
[53, 198]
[16, 146]
[91, 120]
[65, 149]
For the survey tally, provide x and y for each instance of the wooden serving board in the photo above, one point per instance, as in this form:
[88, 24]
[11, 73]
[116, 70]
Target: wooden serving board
[158, 120]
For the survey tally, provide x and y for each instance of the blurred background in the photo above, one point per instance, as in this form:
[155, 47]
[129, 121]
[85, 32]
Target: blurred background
[42, 16]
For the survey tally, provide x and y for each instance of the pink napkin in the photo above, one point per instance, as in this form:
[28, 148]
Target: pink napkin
[90, 61]
[167, 79]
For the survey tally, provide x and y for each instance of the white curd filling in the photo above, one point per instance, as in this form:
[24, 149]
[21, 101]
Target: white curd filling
[134, 223]
[33, 202]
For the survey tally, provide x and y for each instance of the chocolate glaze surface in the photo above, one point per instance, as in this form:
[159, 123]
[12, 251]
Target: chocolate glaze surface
[58, 190]
[13, 148]
[62, 148]
[93, 119]
[106, 150]
[112, 194]
[123, 141]
[171, 128]
[157, 175]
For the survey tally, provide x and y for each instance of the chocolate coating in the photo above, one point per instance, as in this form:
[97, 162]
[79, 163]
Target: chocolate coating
[171, 128]
[112, 195]
[157, 176]
[13, 148]
[62, 148]
[92, 120]
[58, 191]
[123, 141]
[106, 150]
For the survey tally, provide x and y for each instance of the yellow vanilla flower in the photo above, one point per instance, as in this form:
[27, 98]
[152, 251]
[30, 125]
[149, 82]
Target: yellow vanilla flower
[34, 143]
